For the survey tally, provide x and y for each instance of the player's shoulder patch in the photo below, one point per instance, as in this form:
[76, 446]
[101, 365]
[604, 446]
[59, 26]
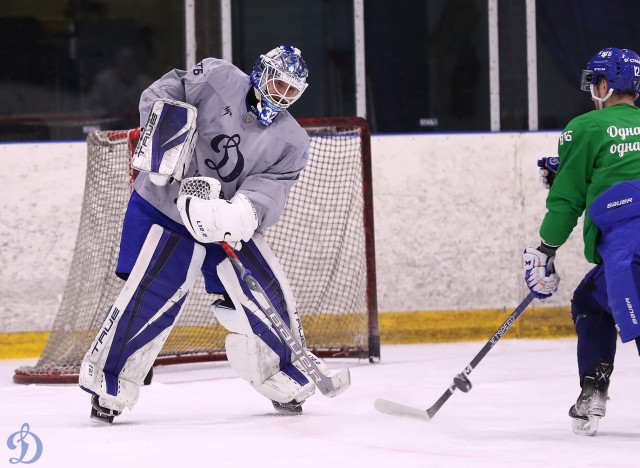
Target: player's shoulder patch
[217, 68]
[578, 127]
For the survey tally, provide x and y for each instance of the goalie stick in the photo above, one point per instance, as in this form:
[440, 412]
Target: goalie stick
[460, 381]
[330, 386]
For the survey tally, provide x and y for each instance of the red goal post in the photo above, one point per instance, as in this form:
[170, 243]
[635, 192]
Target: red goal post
[324, 241]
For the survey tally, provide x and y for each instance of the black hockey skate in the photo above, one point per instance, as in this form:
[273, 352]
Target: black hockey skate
[293, 408]
[592, 401]
[101, 414]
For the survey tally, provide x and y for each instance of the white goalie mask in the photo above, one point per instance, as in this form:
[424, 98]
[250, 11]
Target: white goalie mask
[280, 76]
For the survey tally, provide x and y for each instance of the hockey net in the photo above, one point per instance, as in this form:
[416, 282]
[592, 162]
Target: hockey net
[324, 241]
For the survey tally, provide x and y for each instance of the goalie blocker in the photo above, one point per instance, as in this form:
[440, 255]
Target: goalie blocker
[167, 141]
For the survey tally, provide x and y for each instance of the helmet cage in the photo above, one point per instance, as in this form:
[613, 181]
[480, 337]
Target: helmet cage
[280, 77]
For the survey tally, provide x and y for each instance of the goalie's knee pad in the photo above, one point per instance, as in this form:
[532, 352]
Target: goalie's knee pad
[141, 318]
[255, 349]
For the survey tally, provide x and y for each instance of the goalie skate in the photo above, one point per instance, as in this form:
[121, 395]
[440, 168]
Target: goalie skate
[100, 414]
[293, 408]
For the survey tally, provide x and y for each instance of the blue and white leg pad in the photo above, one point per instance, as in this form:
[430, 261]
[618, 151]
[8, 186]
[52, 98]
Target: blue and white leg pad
[254, 348]
[141, 318]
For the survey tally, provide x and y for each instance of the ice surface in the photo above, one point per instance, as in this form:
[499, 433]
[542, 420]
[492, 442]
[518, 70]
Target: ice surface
[202, 415]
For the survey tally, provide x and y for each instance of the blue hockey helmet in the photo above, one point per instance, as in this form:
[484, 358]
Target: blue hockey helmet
[620, 67]
[280, 76]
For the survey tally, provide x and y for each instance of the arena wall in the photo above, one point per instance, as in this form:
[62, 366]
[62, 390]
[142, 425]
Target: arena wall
[452, 215]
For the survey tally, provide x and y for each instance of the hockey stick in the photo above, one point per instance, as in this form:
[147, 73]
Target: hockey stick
[330, 386]
[460, 381]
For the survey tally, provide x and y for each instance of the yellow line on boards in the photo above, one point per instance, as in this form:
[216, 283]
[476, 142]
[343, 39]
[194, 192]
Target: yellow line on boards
[21, 345]
[395, 328]
[472, 325]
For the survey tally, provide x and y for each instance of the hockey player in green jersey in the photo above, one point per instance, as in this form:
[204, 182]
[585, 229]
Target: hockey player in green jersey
[599, 172]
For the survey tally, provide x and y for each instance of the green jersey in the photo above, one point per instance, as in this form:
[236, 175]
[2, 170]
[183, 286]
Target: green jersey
[597, 150]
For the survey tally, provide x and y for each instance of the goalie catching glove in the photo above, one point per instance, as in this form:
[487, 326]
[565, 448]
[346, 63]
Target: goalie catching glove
[539, 271]
[212, 219]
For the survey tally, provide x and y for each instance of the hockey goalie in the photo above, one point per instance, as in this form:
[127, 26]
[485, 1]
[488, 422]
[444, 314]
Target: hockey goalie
[231, 139]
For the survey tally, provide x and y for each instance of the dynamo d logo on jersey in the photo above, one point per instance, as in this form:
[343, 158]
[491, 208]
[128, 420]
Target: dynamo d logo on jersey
[26, 445]
[229, 147]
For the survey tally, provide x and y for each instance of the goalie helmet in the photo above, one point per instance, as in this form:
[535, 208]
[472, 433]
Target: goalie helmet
[620, 67]
[280, 76]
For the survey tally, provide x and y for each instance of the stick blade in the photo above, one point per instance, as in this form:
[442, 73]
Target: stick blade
[335, 384]
[398, 409]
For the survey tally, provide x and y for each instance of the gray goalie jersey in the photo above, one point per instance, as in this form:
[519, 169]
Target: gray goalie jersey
[246, 156]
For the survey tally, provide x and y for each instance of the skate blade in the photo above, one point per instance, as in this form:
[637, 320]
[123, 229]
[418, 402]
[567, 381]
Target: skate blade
[101, 415]
[287, 409]
[101, 418]
[586, 427]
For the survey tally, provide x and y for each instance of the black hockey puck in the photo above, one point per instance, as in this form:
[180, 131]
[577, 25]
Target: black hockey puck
[462, 383]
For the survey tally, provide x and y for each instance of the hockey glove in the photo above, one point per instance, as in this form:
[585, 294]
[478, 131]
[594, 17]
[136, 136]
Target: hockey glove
[211, 219]
[548, 169]
[539, 272]
[167, 141]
